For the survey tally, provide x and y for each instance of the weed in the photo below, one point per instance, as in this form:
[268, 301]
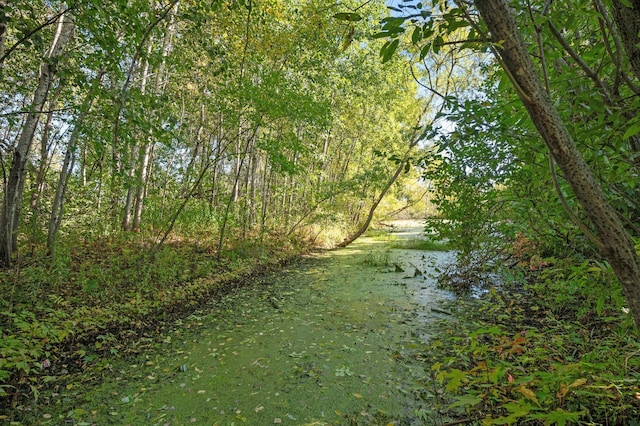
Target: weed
[377, 259]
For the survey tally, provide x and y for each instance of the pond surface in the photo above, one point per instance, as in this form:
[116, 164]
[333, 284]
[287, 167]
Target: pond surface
[323, 342]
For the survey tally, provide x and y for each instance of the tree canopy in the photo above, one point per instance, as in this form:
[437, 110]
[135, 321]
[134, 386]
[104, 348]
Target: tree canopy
[249, 116]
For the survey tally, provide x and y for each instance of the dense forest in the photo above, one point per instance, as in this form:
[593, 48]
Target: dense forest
[152, 151]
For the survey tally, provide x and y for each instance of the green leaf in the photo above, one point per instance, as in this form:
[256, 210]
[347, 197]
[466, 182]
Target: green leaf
[382, 34]
[388, 50]
[392, 22]
[456, 377]
[466, 401]
[559, 417]
[425, 51]
[632, 131]
[416, 36]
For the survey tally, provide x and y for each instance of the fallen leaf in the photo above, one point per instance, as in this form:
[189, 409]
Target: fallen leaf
[357, 395]
[277, 420]
[578, 382]
[528, 393]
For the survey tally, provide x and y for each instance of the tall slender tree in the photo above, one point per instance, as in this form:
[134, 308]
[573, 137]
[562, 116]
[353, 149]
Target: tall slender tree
[13, 191]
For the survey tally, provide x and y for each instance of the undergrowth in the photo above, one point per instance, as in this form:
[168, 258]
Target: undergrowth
[560, 350]
[62, 314]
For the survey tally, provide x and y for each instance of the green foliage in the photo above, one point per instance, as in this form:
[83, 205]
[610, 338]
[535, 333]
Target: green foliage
[80, 303]
[491, 174]
[560, 352]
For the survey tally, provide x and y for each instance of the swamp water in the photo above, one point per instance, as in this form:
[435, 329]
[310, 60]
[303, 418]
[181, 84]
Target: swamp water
[323, 342]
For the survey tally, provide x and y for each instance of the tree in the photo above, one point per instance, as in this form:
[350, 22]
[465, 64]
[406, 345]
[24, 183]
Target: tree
[616, 244]
[10, 214]
[598, 107]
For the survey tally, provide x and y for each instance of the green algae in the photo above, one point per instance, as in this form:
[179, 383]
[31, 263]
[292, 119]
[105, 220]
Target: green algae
[320, 343]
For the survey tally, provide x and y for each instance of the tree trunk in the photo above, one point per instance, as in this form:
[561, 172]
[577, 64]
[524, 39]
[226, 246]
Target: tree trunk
[132, 172]
[10, 214]
[363, 228]
[618, 247]
[145, 161]
[3, 31]
[628, 22]
[57, 208]
[40, 182]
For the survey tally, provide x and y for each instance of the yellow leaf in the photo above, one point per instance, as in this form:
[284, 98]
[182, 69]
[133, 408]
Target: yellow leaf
[357, 395]
[69, 386]
[528, 393]
[563, 390]
[578, 382]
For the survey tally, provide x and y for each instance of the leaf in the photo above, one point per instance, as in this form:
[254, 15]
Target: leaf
[425, 51]
[577, 382]
[388, 49]
[528, 393]
[392, 22]
[456, 378]
[633, 130]
[382, 34]
[466, 401]
[348, 16]
[357, 395]
[416, 36]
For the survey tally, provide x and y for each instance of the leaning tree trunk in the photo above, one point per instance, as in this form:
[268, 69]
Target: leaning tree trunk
[618, 247]
[10, 214]
[372, 210]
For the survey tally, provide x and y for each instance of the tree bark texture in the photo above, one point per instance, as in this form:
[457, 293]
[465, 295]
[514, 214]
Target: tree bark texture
[627, 20]
[618, 247]
[10, 214]
[3, 30]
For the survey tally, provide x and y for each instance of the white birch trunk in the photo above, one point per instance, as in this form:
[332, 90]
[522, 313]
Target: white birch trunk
[10, 214]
